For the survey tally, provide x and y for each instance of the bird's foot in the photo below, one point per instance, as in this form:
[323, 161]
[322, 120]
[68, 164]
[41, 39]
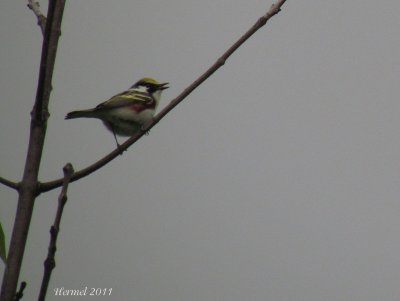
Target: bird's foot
[143, 129]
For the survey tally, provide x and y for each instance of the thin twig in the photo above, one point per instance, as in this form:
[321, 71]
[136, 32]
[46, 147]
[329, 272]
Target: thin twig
[9, 183]
[275, 8]
[50, 263]
[41, 19]
[20, 293]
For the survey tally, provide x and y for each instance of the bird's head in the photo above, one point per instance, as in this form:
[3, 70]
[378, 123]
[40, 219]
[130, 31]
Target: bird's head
[150, 85]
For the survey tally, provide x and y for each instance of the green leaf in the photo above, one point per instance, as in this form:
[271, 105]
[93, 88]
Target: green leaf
[3, 255]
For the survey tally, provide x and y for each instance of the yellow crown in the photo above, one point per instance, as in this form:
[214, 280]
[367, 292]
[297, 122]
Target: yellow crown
[148, 80]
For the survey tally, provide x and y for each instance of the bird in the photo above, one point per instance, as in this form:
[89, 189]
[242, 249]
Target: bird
[125, 113]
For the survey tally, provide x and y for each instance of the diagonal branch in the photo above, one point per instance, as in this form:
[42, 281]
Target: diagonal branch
[49, 263]
[275, 8]
[9, 183]
[41, 19]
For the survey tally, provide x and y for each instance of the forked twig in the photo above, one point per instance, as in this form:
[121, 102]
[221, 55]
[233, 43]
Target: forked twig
[41, 19]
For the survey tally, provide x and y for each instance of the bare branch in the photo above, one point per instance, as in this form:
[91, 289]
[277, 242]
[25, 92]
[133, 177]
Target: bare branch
[50, 263]
[41, 19]
[275, 8]
[9, 183]
[29, 184]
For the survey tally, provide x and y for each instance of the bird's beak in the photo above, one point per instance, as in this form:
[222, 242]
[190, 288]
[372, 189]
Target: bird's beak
[163, 86]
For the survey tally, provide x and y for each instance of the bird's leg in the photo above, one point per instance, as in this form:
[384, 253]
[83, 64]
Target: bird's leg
[116, 141]
[143, 128]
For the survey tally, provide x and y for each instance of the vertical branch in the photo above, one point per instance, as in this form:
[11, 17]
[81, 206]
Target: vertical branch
[50, 263]
[28, 189]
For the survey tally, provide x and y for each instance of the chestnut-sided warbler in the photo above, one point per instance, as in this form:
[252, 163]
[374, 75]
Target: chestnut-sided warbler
[125, 113]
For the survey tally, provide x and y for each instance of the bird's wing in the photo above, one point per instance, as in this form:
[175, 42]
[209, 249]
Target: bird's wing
[127, 98]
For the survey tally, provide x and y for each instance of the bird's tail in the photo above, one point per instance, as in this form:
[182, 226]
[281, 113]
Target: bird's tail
[81, 114]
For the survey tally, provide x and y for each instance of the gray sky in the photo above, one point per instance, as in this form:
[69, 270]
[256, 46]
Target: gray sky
[278, 179]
